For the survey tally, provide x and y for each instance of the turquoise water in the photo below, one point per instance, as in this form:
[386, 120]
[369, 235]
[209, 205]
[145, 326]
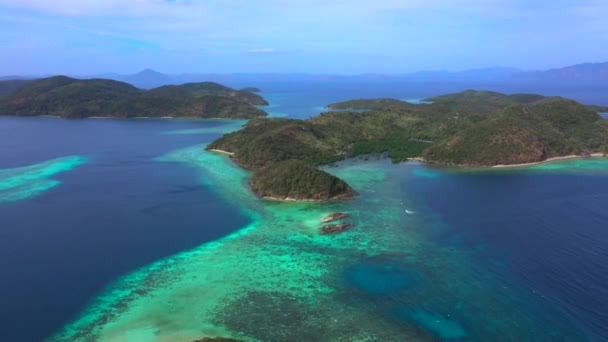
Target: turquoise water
[84, 202]
[278, 279]
[147, 237]
[29, 181]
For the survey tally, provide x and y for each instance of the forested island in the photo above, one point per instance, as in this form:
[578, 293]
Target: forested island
[252, 90]
[82, 98]
[471, 128]
[296, 180]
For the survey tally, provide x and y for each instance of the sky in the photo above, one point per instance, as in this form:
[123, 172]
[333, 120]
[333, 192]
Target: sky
[83, 37]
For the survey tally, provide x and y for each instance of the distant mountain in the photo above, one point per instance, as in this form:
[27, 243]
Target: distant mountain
[578, 72]
[14, 77]
[472, 74]
[148, 78]
[77, 98]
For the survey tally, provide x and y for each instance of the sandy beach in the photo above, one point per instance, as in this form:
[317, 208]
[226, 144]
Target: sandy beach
[572, 156]
[221, 151]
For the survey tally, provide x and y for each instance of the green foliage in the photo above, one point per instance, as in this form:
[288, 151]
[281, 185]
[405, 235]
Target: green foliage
[9, 86]
[522, 134]
[598, 109]
[469, 128]
[252, 90]
[374, 104]
[73, 98]
[295, 179]
[263, 142]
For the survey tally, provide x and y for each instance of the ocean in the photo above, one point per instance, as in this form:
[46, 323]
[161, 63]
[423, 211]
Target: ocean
[127, 230]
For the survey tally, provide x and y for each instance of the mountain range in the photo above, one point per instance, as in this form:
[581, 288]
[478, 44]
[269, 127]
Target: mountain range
[149, 78]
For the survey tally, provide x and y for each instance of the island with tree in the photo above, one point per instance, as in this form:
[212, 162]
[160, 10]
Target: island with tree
[471, 128]
[296, 180]
[82, 98]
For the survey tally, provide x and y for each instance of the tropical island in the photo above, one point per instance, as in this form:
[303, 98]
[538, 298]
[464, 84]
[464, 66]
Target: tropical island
[296, 180]
[471, 128]
[252, 90]
[83, 98]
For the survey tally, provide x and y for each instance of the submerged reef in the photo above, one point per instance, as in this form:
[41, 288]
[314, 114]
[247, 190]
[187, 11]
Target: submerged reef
[335, 228]
[334, 217]
[277, 279]
[28, 181]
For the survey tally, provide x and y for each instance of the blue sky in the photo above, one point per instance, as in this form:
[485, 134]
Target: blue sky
[322, 36]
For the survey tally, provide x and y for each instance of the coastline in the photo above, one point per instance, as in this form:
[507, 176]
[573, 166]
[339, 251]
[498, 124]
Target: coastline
[222, 152]
[548, 160]
[130, 118]
[426, 162]
[295, 200]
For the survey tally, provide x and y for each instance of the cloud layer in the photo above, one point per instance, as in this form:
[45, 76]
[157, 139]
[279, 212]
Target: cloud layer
[312, 35]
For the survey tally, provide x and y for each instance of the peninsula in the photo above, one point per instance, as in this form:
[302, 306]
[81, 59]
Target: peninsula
[81, 98]
[471, 128]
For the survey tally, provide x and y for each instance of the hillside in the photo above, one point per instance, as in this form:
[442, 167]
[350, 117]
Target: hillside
[74, 98]
[252, 90]
[9, 86]
[297, 180]
[468, 128]
[374, 104]
[524, 134]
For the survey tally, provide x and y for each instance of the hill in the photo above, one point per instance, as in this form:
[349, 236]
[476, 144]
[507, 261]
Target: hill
[252, 90]
[148, 78]
[469, 128]
[297, 180]
[75, 98]
[525, 134]
[578, 72]
[9, 86]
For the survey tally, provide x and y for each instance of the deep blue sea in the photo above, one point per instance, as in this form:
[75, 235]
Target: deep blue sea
[543, 231]
[546, 232]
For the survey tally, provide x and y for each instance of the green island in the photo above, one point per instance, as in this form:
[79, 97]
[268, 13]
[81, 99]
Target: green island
[252, 90]
[471, 128]
[82, 98]
[297, 180]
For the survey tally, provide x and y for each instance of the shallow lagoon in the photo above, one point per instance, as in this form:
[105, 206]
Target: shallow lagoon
[277, 279]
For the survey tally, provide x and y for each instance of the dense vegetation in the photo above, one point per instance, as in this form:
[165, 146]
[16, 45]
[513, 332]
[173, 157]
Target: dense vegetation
[524, 134]
[298, 180]
[74, 98]
[468, 128]
[9, 86]
[252, 90]
[375, 104]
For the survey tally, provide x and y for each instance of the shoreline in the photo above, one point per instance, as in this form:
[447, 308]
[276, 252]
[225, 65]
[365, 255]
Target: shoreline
[222, 152]
[295, 200]
[193, 118]
[423, 161]
[548, 160]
